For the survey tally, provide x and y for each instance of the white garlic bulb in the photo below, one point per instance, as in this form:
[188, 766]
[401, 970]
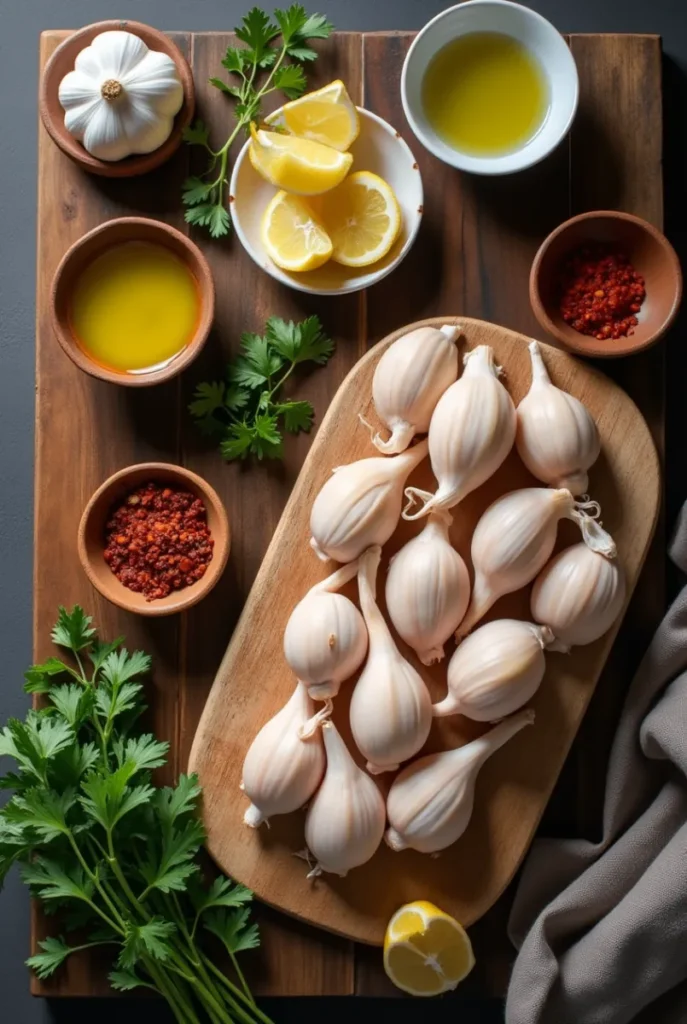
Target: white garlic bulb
[121, 98]
[346, 818]
[409, 380]
[514, 539]
[325, 640]
[557, 438]
[285, 762]
[496, 670]
[579, 595]
[360, 504]
[471, 432]
[428, 589]
[430, 802]
[391, 710]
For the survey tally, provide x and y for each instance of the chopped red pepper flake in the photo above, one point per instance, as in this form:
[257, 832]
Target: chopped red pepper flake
[600, 292]
[157, 540]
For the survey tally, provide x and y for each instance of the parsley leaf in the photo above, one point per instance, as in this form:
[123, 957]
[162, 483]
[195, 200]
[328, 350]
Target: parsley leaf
[152, 938]
[270, 60]
[124, 980]
[73, 629]
[120, 666]
[232, 929]
[255, 379]
[142, 753]
[39, 677]
[73, 702]
[52, 955]
[50, 880]
[222, 893]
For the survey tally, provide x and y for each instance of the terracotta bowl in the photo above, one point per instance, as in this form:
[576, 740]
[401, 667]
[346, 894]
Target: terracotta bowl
[52, 113]
[84, 251]
[91, 538]
[650, 253]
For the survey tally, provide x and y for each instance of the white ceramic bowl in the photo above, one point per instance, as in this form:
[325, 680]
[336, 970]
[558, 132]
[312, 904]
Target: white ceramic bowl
[378, 148]
[540, 38]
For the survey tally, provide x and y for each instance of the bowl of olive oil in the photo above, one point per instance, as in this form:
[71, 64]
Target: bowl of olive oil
[133, 301]
[490, 87]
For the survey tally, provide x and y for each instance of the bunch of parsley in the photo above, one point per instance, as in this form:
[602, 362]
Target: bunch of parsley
[101, 846]
[246, 411]
[271, 60]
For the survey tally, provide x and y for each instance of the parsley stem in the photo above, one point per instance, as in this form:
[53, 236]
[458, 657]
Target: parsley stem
[240, 976]
[119, 927]
[178, 1000]
[236, 991]
[282, 381]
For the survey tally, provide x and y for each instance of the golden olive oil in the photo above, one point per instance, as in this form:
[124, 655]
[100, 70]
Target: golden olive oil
[485, 94]
[135, 307]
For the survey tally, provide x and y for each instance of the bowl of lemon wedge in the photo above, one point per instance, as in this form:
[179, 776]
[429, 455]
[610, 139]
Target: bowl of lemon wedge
[326, 196]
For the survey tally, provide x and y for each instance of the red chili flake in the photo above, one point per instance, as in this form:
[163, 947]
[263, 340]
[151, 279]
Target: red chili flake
[157, 540]
[599, 292]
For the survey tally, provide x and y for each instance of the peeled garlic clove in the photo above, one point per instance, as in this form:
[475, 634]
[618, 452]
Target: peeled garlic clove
[345, 821]
[428, 589]
[514, 539]
[430, 802]
[496, 670]
[391, 711]
[557, 438]
[285, 761]
[579, 595]
[409, 380]
[360, 504]
[471, 432]
[325, 640]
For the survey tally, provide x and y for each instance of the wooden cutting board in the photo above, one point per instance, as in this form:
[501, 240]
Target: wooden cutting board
[471, 258]
[254, 680]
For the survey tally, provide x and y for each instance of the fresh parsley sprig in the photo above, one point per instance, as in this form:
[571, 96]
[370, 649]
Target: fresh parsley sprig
[272, 59]
[247, 411]
[104, 848]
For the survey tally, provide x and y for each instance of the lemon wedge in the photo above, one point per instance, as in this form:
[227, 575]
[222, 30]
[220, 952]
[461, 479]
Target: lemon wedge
[327, 116]
[426, 952]
[292, 236]
[363, 219]
[297, 165]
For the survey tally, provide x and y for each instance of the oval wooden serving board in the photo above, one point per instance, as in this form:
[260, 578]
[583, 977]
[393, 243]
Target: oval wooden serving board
[253, 681]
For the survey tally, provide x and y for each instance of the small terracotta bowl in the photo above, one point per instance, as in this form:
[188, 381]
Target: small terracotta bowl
[91, 538]
[52, 113]
[650, 253]
[91, 245]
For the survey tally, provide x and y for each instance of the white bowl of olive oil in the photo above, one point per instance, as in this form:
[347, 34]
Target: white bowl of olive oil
[489, 87]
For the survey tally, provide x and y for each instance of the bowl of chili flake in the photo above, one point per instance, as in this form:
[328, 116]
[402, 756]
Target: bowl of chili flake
[606, 284]
[154, 539]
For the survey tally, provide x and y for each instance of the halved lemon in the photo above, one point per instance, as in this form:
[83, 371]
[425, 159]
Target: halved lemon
[327, 116]
[426, 952]
[362, 217]
[297, 165]
[293, 238]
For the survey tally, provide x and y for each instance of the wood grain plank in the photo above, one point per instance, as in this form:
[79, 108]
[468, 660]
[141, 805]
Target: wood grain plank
[87, 429]
[616, 156]
[292, 958]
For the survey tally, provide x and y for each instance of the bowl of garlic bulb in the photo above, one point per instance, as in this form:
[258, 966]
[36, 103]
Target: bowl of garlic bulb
[116, 97]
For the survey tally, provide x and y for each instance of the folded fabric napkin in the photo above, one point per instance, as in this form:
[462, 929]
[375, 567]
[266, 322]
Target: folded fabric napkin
[602, 927]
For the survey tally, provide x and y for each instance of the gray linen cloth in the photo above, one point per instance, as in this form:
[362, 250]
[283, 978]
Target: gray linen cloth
[602, 927]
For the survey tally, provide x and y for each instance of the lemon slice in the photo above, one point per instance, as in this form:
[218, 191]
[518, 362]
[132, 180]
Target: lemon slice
[297, 165]
[426, 952]
[291, 235]
[327, 116]
[363, 219]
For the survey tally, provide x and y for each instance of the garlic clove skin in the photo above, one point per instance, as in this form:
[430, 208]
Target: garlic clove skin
[513, 540]
[285, 762]
[430, 802]
[346, 818]
[121, 98]
[495, 670]
[409, 380]
[391, 710]
[360, 504]
[557, 437]
[428, 589]
[325, 641]
[470, 434]
[579, 595]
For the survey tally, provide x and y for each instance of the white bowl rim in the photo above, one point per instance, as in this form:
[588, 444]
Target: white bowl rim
[485, 167]
[369, 279]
